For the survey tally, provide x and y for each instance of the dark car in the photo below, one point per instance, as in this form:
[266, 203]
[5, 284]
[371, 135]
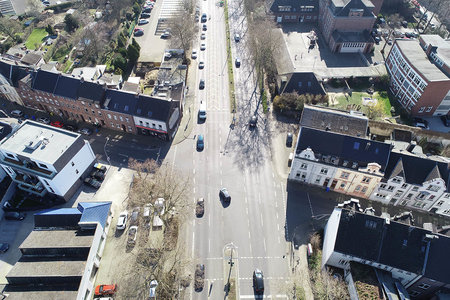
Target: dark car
[377, 40]
[145, 15]
[204, 18]
[237, 62]
[253, 121]
[204, 27]
[200, 208]
[70, 127]
[289, 139]
[200, 142]
[93, 182]
[147, 10]
[258, 281]
[224, 195]
[4, 247]
[199, 277]
[421, 123]
[201, 85]
[139, 33]
[97, 174]
[14, 215]
[446, 120]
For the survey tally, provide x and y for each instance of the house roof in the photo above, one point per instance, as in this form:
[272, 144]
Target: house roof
[31, 58]
[58, 239]
[343, 7]
[356, 37]
[334, 121]
[66, 87]
[437, 265]
[120, 101]
[91, 91]
[153, 108]
[344, 148]
[45, 81]
[13, 73]
[295, 5]
[415, 169]
[302, 83]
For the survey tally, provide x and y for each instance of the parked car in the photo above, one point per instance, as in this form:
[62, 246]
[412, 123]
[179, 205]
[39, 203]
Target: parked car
[258, 281]
[289, 139]
[132, 234]
[147, 9]
[100, 167]
[377, 40]
[204, 27]
[224, 195]
[201, 64]
[237, 37]
[92, 182]
[421, 123]
[122, 221]
[200, 208]
[142, 22]
[139, 33]
[145, 15]
[203, 46]
[85, 131]
[253, 121]
[201, 85]
[57, 124]
[138, 29]
[165, 35]
[98, 175]
[446, 120]
[194, 54]
[44, 120]
[200, 143]
[14, 215]
[4, 247]
[199, 277]
[105, 290]
[16, 113]
[70, 127]
[405, 24]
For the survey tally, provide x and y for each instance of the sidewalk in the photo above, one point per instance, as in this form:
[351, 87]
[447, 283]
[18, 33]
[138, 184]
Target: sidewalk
[301, 271]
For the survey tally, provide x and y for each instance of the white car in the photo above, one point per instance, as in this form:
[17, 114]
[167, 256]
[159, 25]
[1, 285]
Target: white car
[203, 36]
[201, 64]
[194, 54]
[132, 234]
[143, 21]
[203, 46]
[44, 120]
[122, 222]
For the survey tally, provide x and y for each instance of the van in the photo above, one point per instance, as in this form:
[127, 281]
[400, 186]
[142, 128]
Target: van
[202, 111]
[17, 113]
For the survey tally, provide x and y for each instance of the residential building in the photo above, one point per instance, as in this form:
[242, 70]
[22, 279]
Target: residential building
[346, 164]
[98, 74]
[10, 74]
[418, 182]
[45, 159]
[300, 82]
[61, 256]
[414, 258]
[346, 24]
[419, 74]
[338, 121]
[289, 11]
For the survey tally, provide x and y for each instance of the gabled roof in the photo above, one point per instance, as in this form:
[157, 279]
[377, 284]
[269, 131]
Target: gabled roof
[344, 147]
[92, 91]
[153, 108]
[415, 169]
[301, 82]
[13, 73]
[120, 101]
[45, 81]
[66, 87]
[31, 58]
[343, 7]
[334, 120]
[295, 5]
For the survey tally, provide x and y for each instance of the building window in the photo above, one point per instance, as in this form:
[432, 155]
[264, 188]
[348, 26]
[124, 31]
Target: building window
[409, 196]
[115, 117]
[421, 109]
[391, 188]
[299, 84]
[128, 120]
[109, 116]
[323, 171]
[364, 189]
[366, 179]
[357, 188]
[42, 166]
[342, 185]
[10, 155]
[303, 166]
[440, 203]
[429, 108]
[345, 175]
[382, 186]
[318, 179]
[404, 186]
[76, 171]
[51, 190]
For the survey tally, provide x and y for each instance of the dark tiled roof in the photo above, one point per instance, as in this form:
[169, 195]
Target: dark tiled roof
[293, 80]
[344, 147]
[45, 81]
[153, 108]
[67, 87]
[91, 91]
[334, 120]
[120, 101]
[31, 58]
[342, 37]
[438, 264]
[416, 169]
[13, 72]
[295, 4]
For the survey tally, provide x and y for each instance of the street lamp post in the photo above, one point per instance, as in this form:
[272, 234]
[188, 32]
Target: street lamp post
[104, 148]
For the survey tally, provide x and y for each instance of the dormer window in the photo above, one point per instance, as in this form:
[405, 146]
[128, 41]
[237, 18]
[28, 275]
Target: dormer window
[356, 12]
[284, 8]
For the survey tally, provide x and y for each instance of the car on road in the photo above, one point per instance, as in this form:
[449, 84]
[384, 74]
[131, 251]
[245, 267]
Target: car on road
[132, 234]
[4, 247]
[258, 281]
[17, 113]
[289, 139]
[92, 182]
[446, 120]
[203, 36]
[389, 42]
[70, 127]
[105, 290]
[194, 54]
[421, 123]
[237, 37]
[200, 207]
[204, 18]
[57, 124]
[377, 40]
[142, 22]
[122, 221]
[98, 175]
[14, 215]
[204, 27]
[200, 142]
[203, 46]
[44, 120]
[237, 62]
[224, 195]
[201, 64]
[145, 15]
[199, 277]
[85, 131]
[201, 85]
[253, 121]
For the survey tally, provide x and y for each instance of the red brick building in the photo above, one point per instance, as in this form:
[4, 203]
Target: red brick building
[291, 11]
[419, 75]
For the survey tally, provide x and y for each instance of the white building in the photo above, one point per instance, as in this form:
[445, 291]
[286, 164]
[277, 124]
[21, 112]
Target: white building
[43, 158]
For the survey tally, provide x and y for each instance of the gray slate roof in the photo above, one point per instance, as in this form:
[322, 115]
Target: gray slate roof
[342, 7]
[295, 5]
[334, 121]
[309, 83]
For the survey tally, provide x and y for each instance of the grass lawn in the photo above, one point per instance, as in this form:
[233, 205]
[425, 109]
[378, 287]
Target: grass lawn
[36, 37]
[355, 102]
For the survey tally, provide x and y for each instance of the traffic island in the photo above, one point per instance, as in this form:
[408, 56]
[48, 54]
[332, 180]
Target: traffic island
[230, 271]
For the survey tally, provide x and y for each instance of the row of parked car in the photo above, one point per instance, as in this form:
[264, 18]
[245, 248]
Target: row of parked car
[145, 15]
[96, 176]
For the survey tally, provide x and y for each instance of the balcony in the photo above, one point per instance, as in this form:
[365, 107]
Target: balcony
[28, 180]
[39, 190]
[29, 167]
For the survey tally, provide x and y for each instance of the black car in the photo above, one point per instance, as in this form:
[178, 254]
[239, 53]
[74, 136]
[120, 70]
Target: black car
[73, 128]
[201, 85]
[93, 182]
[289, 138]
[97, 174]
[224, 195]
[204, 27]
[237, 62]
[4, 247]
[200, 208]
[145, 15]
[446, 120]
[204, 18]
[14, 215]
[253, 121]
[421, 123]
[258, 281]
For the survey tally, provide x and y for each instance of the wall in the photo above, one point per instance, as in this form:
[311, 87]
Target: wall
[151, 124]
[331, 229]
[431, 97]
[7, 196]
[351, 286]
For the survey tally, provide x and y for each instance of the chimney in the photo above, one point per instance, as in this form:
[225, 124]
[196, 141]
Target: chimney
[81, 79]
[136, 95]
[367, 146]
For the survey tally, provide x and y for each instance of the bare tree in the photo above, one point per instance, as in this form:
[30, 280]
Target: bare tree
[9, 27]
[182, 30]
[34, 8]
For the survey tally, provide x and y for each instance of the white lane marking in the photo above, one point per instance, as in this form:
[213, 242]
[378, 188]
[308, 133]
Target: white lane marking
[273, 175]
[275, 192]
[263, 296]
[264, 241]
[245, 200]
[246, 210]
[262, 222]
[193, 171]
[278, 226]
[193, 189]
[193, 243]
[174, 157]
[209, 222]
[277, 217]
[249, 236]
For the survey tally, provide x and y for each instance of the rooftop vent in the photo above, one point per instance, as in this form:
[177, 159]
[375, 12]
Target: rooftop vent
[32, 145]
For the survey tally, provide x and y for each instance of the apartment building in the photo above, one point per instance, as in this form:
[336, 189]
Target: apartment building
[419, 75]
[346, 24]
[289, 11]
[45, 159]
[407, 259]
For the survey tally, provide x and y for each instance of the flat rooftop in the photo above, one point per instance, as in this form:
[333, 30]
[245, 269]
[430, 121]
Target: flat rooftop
[412, 50]
[51, 141]
[57, 239]
[39, 295]
[61, 268]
